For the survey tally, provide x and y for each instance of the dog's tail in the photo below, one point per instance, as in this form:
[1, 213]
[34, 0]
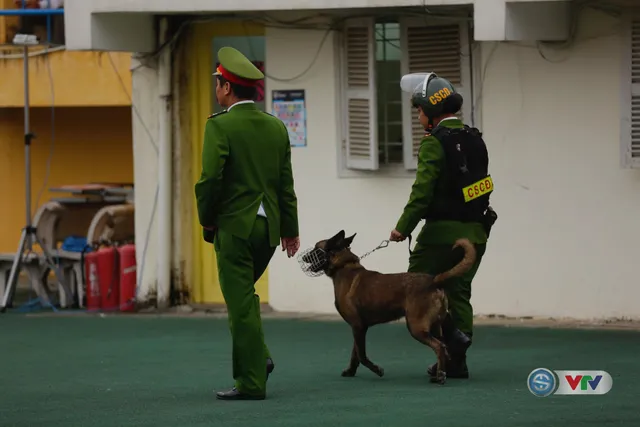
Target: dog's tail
[463, 266]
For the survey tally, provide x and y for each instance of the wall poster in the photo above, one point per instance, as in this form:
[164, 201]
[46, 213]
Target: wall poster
[289, 106]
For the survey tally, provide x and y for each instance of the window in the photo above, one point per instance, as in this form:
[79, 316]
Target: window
[381, 127]
[389, 99]
[630, 130]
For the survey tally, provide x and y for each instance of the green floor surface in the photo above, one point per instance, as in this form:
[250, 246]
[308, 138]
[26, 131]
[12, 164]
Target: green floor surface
[143, 371]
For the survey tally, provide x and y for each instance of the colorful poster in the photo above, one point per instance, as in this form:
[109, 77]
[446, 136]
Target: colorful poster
[289, 106]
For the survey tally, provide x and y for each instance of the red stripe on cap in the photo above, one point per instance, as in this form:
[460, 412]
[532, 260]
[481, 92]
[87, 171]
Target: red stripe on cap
[229, 76]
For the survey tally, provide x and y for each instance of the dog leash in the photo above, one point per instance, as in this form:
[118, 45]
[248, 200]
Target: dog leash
[384, 244]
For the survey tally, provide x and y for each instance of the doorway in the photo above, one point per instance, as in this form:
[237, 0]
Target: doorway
[206, 39]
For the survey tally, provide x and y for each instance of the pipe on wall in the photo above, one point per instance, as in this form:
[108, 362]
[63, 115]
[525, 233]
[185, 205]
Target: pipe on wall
[165, 172]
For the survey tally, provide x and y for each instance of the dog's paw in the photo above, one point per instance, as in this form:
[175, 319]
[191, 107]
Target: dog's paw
[440, 378]
[349, 373]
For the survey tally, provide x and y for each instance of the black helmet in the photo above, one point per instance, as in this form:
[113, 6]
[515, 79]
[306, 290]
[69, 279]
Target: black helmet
[428, 91]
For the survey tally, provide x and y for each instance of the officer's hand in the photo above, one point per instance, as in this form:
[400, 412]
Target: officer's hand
[396, 236]
[291, 245]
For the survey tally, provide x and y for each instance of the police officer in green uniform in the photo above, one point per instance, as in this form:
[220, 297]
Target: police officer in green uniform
[451, 192]
[247, 206]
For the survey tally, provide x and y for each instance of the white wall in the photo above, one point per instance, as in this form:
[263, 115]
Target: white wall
[128, 25]
[327, 204]
[565, 243]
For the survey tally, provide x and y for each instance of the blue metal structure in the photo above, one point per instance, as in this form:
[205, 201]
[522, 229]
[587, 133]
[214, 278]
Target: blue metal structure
[31, 12]
[23, 11]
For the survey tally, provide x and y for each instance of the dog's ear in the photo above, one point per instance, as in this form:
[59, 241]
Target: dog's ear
[336, 240]
[347, 242]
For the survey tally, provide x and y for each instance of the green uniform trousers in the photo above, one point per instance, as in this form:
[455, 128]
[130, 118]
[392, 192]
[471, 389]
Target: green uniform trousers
[240, 265]
[436, 259]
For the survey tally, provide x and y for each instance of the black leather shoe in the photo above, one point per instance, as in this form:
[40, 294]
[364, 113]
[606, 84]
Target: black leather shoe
[270, 366]
[234, 394]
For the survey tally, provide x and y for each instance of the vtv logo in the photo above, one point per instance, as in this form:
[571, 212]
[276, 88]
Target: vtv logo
[583, 382]
[543, 382]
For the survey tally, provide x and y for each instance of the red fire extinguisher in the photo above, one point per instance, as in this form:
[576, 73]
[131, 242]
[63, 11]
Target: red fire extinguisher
[109, 278]
[127, 255]
[92, 284]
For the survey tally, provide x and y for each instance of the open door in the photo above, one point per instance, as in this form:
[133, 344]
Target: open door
[206, 40]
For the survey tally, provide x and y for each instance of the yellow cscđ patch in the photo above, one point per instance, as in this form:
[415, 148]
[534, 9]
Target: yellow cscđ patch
[477, 189]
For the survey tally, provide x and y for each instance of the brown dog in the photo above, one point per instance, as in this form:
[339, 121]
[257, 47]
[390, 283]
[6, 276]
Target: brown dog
[365, 298]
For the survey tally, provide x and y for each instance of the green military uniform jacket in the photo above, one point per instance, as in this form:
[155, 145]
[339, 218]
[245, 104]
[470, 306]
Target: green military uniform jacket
[429, 187]
[246, 161]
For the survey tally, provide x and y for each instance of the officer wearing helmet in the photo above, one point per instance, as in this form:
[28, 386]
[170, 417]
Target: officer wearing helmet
[451, 193]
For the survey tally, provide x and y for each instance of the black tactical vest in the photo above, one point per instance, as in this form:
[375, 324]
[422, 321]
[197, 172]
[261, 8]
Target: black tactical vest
[469, 186]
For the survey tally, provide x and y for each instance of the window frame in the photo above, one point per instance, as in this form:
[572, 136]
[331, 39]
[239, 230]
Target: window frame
[469, 79]
[382, 137]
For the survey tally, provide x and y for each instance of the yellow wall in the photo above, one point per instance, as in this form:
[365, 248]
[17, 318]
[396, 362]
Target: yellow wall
[79, 79]
[205, 287]
[7, 22]
[91, 144]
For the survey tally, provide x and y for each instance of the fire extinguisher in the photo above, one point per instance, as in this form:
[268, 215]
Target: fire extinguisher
[91, 280]
[127, 254]
[109, 278]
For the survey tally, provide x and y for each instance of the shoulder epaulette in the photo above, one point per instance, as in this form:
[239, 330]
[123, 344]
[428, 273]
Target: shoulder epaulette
[217, 114]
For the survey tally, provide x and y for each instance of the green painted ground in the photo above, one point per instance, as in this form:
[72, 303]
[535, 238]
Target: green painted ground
[142, 371]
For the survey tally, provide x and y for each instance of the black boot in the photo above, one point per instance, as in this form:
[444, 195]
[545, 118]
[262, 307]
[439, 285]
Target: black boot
[456, 366]
[457, 343]
[456, 369]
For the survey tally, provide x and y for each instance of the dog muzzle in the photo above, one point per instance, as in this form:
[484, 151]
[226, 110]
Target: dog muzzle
[313, 261]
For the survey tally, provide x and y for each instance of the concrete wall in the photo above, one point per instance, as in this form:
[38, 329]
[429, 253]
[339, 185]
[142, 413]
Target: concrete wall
[565, 244]
[565, 241]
